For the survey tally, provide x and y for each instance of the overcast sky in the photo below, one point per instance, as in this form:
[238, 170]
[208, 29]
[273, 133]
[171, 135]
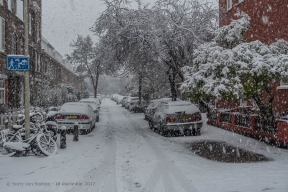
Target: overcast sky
[62, 20]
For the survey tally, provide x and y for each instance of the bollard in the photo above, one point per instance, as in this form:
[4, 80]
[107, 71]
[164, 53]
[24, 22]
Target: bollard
[76, 132]
[63, 137]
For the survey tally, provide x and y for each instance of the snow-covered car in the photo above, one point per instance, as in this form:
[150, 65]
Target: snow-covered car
[95, 100]
[133, 103]
[124, 101]
[51, 113]
[180, 117]
[152, 106]
[73, 112]
[94, 106]
[127, 103]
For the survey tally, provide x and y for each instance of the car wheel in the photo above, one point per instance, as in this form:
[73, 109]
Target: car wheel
[187, 132]
[196, 132]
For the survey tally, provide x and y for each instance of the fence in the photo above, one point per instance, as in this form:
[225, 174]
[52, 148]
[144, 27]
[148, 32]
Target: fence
[242, 120]
[226, 117]
[252, 125]
[8, 119]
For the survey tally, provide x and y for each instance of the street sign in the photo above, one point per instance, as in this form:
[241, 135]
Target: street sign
[18, 63]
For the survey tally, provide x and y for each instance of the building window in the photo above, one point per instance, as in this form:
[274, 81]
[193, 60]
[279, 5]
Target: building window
[38, 64]
[2, 91]
[2, 34]
[11, 6]
[30, 23]
[37, 31]
[229, 4]
[19, 9]
[21, 45]
[14, 45]
[1, 2]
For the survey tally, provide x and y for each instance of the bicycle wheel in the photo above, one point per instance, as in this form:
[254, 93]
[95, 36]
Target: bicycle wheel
[46, 144]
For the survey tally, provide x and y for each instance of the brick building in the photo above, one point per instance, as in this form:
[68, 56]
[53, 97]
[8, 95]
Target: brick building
[12, 42]
[269, 21]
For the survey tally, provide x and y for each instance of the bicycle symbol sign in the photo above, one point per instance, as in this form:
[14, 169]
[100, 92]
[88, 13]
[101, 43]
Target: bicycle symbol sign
[18, 63]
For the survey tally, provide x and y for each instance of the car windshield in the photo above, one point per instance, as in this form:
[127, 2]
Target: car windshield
[214, 73]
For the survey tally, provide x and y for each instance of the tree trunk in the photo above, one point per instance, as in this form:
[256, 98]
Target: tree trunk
[140, 86]
[172, 76]
[267, 118]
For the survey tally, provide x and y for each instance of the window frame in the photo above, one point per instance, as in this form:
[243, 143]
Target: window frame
[2, 88]
[14, 44]
[229, 5]
[21, 45]
[2, 34]
[30, 23]
[19, 9]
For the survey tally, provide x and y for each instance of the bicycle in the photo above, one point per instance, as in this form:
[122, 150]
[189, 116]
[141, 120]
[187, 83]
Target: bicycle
[39, 142]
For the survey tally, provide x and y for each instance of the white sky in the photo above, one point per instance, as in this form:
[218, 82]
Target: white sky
[62, 20]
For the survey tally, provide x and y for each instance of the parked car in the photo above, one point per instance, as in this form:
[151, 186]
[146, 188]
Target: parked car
[73, 112]
[94, 106]
[95, 100]
[128, 101]
[123, 101]
[133, 103]
[177, 117]
[51, 113]
[152, 106]
[140, 107]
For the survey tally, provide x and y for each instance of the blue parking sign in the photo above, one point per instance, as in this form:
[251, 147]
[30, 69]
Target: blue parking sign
[18, 63]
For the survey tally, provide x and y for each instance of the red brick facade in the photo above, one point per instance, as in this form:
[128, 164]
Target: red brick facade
[268, 18]
[12, 26]
[269, 21]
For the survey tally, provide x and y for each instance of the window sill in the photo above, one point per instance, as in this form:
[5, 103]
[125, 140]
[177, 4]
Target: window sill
[228, 10]
[240, 3]
[282, 87]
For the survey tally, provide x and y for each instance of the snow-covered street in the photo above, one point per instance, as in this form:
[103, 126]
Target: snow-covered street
[122, 154]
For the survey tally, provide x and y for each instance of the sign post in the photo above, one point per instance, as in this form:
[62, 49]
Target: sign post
[21, 63]
[26, 73]
[18, 63]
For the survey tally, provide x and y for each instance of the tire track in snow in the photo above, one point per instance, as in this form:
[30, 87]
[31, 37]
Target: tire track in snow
[103, 176]
[164, 168]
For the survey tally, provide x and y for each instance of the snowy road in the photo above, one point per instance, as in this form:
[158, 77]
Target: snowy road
[123, 155]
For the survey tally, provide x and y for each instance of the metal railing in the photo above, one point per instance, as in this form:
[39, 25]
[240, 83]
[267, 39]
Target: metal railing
[264, 125]
[8, 119]
[242, 120]
[225, 117]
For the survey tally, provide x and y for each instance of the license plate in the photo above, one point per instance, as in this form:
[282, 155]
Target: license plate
[185, 116]
[72, 117]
